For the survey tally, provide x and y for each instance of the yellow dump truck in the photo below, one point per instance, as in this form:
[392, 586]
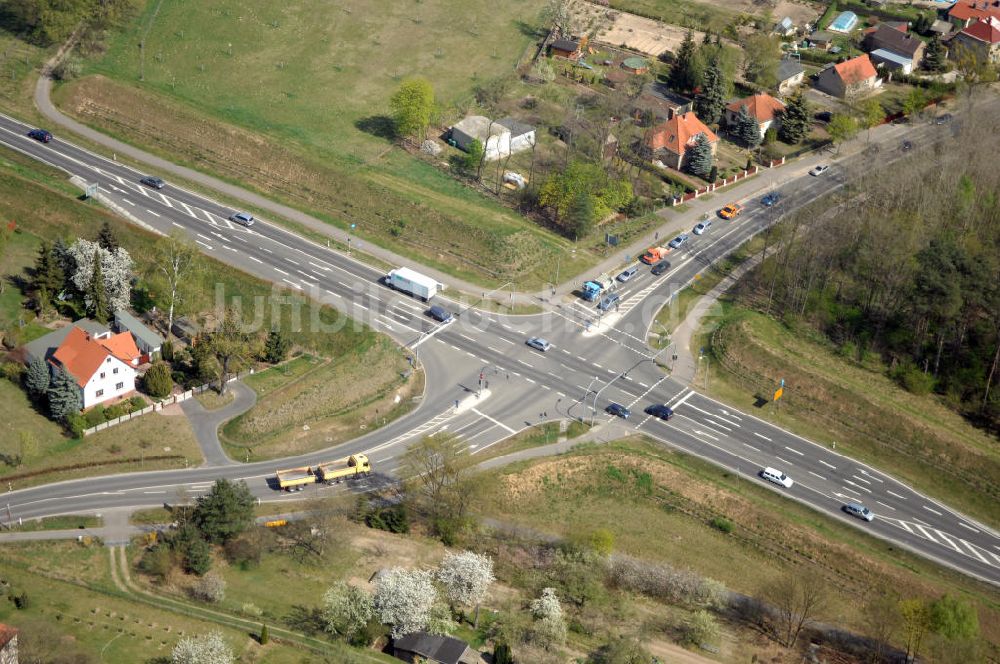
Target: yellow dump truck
[295, 479]
[356, 465]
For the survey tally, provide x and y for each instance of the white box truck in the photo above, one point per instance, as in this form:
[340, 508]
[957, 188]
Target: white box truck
[406, 280]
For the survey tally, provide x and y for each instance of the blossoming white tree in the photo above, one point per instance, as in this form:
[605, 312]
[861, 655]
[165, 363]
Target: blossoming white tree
[403, 599]
[346, 609]
[208, 648]
[116, 269]
[550, 626]
[466, 578]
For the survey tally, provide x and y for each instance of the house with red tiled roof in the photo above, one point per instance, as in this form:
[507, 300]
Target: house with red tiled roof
[982, 38]
[851, 78]
[966, 12]
[671, 140]
[762, 106]
[102, 366]
[8, 644]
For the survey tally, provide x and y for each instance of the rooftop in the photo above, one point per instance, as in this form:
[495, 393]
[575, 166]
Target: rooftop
[761, 106]
[444, 649]
[43, 347]
[566, 45]
[856, 69]
[890, 37]
[788, 68]
[678, 133]
[984, 30]
[139, 329]
[516, 127]
[477, 126]
[964, 10]
[889, 56]
[6, 634]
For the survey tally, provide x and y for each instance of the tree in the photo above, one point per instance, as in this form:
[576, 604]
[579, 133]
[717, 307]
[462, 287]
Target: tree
[934, 56]
[437, 473]
[276, 346]
[96, 297]
[474, 157]
[208, 648]
[761, 57]
[797, 599]
[841, 128]
[196, 552]
[225, 511]
[916, 617]
[404, 599]
[623, 650]
[582, 215]
[700, 156]
[157, 381]
[872, 115]
[64, 395]
[347, 609]
[683, 75]
[48, 278]
[502, 653]
[116, 272]
[701, 628]
[747, 129]
[914, 102]
[710, 104]
[954, 619]
[37, 378]
[549, 628]
[106, 238]
[466, 578]
[412, 106]
[562, 191]
[210, 588]
[229, 343]
[795, 120]
[265, 635]
[882, 620]
[176, 262]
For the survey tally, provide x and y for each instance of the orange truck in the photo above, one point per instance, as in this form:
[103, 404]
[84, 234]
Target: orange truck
[654, 255]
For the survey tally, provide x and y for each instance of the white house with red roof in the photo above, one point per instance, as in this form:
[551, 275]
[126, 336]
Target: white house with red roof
[671, 141]
[981, 38]
[964, 13]
[762, 106]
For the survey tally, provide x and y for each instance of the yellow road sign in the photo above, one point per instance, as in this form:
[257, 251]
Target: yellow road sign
[778, 392]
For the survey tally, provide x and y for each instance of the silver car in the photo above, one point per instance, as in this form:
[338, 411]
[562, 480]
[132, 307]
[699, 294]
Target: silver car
[539, 344]
[242, 218]
[859, 510]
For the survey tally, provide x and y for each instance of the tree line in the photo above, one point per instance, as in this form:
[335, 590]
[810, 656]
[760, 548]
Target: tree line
[47, 22]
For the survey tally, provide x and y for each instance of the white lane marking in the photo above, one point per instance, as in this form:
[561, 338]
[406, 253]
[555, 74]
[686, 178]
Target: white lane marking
[905, 526]
[751, 447]
[293, 262]
[683, 399]
[828, 465]
[271, 252]
[526, 364]
[508, 341]
[965, 525]
[187, 209]
[494, 421]
[716, 424]
[728, 414]
[207, 246]
[713, 415]
[932, 511]
[529, 380]
[152, 213]
[334, 294]
[794, 451]
[643, 384]
[561, 394]
[783, 461]
[256, 259]
[947, 540]
[861, 479]
[870, 476]
[886, 506]
[467, 337]
[493, 349]
[926, 534]
[855, 484]
[322, 267]
[125, 200]
[166, 201]
[974, 550]
[695, 431]
[176, 224]
[154, 491]
[895, 495]
[760, 435]
[292, 283]
[280, 271]
[817, 475]
[597, 365]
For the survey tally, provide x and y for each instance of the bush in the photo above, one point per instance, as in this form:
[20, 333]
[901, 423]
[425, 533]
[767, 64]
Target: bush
[721, 524]
[210, 588]
[21, 601]
[251, 609]
[136, 403]
[13, 371]
[243, 552]
[197, 556]
[167, 351]
[157, 562]
[701, 628]
[117, 410]
[914, 380]
[75, 424]
[666, 583]
[157, 380]
[95, 416]
[394, 519]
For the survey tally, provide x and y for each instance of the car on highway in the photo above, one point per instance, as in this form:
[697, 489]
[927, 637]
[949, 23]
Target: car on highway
[906, 146]
[776, 476]
[242, 218]
[819, 170]
[539, 344]
[702, 227]
[609, 301]
[731, 211]
[942, 119]
[440, 314]
[40, 135]
[618, 410]
[770, 199]
[678, 241]
[659, 410]
[628, 273]
[154, 182]
[860, 511]
[660, 268]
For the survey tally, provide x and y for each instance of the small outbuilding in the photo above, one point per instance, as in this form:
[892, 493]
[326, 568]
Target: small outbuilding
[147, 341]
[433, 648]
[635, 65]
[790, 74]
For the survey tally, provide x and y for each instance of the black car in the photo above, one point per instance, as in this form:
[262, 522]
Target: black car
[770, 199]
[943, 119]
[439, 314]
[618, 410]
[907, 146]
[660, 268]
[40, 135]
[155, 183]
[659, 410]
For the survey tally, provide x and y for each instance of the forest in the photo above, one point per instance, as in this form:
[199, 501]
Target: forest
[905, 265]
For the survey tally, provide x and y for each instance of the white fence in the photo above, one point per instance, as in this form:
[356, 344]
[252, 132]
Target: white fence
[159, 405]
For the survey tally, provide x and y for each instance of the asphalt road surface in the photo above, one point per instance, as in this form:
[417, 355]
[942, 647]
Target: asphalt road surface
[597, 358]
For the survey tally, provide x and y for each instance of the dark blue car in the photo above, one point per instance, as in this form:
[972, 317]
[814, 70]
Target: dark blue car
[770, 199]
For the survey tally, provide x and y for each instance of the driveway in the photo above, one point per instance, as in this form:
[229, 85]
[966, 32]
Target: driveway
[206, 423]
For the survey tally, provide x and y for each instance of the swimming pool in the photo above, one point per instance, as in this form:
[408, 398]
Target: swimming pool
[845, 22]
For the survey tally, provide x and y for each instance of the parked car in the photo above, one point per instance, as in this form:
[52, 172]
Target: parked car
[678, 241]
[659, 410]
[660, 268]
[440, 314]
[242, 218]
[155, 183]
[860, 511]
[609, 301]
[702, 227]
[618, 410]
[731, 211]
[628, 273]
[539, 344]
[776, 476]
[819, 170]
[40, 135]
[942, 119]
[770, 199]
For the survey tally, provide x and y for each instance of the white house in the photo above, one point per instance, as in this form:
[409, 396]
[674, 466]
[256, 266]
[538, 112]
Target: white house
[499, 138]
[103, 367]
[762, 106]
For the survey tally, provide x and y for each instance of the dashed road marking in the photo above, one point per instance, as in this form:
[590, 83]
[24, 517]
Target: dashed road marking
[280, 271]
[828, 465]
[931, 510]
[783, 461]
[967, 526]
[895, 495]
[760, 435]
[125, 200]
[817, 475]
[155, 214]
[751, 447]
[886, 506]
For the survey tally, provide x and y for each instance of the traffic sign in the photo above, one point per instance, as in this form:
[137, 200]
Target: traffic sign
[778, 392]
[91, 190]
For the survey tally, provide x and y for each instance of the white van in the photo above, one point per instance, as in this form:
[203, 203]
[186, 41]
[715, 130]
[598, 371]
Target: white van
[778, 477]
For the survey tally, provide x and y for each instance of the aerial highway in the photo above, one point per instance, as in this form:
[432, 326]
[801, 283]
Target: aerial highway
[485, 384]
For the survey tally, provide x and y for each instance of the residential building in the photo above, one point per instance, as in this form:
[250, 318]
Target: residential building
[982, 38]
[657, 103]
[890, 38]
[671, 141]
[147, 341]
[102, 364]
[8, 644]
[821, 39]
[790, 74]
[849, 79]
[498, 138]
[434, 649]
[762, 106]
[880, 57]
[964, 13]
